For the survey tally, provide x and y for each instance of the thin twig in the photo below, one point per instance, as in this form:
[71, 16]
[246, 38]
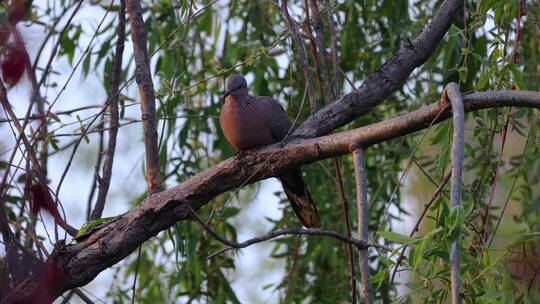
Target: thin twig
[113, 115]
[295, 34]
[57, 45]
[82, 296]
[511, 191]
[84, 54]
[291, 273]
[96, 178]
[407, 168]
[143, 76]
[32, 156]
[321, 50]
[458, 119]
[52, 31]
[312, 47]
[134, 287]
[419, 221]
[345, 211]
[291, 231]
[517, 38]
[485, 221]
[363, 220]
[334, 47]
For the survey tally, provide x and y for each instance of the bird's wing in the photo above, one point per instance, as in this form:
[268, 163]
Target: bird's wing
[278, 120]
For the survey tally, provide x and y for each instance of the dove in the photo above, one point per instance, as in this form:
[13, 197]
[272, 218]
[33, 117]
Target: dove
[249, 122]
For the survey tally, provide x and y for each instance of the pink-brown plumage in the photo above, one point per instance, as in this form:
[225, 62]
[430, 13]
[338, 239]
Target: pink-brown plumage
[254, 121]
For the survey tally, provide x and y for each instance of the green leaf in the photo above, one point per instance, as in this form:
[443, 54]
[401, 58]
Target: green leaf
[397, 238]
[87, 227]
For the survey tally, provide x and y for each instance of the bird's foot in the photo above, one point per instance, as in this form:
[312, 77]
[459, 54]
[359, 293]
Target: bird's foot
[240, 153]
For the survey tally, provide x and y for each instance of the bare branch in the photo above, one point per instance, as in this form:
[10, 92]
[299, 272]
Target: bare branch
[458, 120]
[346, 220]
[321, 50]
[363, 220]
[96, 178]
[113, 114]
[312, 47]
[299, 231]
[334, 47]
[295, 34]
[54, 50]
[32, 156]
[360, 244]
[143, 76]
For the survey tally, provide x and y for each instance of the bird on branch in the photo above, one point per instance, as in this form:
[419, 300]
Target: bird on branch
[251, 121]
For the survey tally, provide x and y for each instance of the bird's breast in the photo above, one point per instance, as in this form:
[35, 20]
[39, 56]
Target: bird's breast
[245, 126]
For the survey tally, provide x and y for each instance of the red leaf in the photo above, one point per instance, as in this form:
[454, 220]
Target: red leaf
[14, 63]
[21, 263]
[17, 10]
[40, 198]
[5, 32]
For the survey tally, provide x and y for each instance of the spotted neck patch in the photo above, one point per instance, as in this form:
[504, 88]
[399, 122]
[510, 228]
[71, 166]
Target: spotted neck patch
[249, 100]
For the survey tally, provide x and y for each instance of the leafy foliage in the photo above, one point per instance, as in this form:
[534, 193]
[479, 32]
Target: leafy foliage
[195, 44]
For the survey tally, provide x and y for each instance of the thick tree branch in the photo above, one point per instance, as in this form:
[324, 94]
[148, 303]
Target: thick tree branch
[363, 219]
[82, 262]
[388, 79]
[143, 76]
[452, 93]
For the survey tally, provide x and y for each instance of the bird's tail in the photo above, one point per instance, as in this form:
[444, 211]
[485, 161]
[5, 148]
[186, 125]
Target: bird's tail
[300, 199]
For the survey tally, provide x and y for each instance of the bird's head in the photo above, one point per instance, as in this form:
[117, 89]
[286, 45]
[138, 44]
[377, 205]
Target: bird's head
[235, 85]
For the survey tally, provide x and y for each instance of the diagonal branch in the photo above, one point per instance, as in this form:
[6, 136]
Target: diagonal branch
[427, 205]
[143, 76]
[82, 262]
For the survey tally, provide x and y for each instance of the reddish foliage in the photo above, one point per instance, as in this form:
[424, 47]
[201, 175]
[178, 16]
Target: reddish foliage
[17, 10]
[527, 266]
[5, 285]
[40, 198]
[14, 63]
[21, 262]
[49, 277]
[5, 32]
